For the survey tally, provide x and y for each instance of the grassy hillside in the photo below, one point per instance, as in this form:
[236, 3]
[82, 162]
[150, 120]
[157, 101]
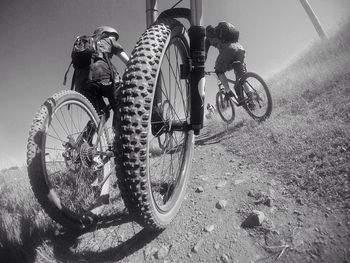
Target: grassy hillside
[307, 139]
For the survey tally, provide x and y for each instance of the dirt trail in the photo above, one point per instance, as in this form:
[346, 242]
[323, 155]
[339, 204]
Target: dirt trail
[292, 231]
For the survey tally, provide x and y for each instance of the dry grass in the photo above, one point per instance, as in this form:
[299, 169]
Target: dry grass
[307, 139]
[22, 222]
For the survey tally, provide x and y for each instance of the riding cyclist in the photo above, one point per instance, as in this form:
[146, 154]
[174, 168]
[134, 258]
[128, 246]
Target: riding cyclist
[225, 38]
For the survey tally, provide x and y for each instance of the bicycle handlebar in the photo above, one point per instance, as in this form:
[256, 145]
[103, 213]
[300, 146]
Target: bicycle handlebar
[232, 64]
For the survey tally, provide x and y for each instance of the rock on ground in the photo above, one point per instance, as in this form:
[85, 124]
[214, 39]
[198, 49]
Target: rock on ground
[254, 219]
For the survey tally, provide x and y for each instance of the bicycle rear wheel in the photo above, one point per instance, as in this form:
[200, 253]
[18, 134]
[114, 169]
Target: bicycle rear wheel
[225, 107]
[155, 175]
[64, 158]
[257, 97]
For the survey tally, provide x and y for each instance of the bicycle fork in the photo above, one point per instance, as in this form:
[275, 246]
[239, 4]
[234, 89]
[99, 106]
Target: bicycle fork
[197, 77]
[196, 66]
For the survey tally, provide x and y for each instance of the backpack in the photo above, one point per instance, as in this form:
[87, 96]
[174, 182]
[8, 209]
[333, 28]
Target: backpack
[82, 54]
[83, 51]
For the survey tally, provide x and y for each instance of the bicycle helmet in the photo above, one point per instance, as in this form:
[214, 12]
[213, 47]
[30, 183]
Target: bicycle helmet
[210, 31]
[227, 32]
[106, 30]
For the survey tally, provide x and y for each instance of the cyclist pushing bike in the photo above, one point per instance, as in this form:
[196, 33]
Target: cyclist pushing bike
[100, 79]
[225, 38]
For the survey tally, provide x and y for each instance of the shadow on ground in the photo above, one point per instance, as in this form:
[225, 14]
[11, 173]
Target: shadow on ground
[209, 137]
[112, 239]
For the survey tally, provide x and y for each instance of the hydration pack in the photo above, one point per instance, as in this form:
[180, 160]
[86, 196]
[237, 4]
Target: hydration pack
[83, 49]
[83, 54]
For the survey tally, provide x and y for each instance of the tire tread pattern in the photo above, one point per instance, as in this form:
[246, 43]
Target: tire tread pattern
[135, 104]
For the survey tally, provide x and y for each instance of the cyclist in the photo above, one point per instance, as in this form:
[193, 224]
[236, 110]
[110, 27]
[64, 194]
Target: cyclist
[225, 38]
[97, 81]
[101, 78]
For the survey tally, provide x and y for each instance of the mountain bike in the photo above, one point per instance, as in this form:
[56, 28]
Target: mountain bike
[71, 153]
[255, 97]
[70, 160]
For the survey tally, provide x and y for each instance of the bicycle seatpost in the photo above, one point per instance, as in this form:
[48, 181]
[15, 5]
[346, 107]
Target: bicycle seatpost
[197, 78]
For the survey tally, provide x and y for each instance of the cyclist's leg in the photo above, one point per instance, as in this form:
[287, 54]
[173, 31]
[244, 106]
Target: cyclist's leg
[108, 91]
[238, 88]
[111, 93]
[222, 64]
[80, 83]
[95, 95]
[93, 92]
[223, 79]
[239, 69]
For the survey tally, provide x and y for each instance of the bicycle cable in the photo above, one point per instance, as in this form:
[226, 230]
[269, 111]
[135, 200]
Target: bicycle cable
[176, 4]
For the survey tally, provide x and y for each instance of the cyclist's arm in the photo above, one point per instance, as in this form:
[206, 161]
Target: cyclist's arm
[211, 41]
[207, 46]
[123, 57]
[118, 50]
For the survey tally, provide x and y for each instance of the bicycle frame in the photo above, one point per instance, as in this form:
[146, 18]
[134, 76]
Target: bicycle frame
[234, 82]
[196, 65]
[102, 122]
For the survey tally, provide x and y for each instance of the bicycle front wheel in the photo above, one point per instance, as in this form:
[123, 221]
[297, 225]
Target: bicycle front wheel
[257, 97]
[157, 144]
[225, 107]
[64, 158]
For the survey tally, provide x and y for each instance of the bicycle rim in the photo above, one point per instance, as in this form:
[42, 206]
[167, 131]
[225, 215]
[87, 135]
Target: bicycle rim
[61, 160]
[71, 169]
[225, 107]
[258, 102]
[167, 168]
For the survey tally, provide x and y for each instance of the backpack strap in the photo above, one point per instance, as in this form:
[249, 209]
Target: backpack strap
[72, 85]
[65, 75]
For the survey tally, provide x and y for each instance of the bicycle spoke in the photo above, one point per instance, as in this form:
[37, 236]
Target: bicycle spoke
[54, 137]
[64, 120]
[72, 121]
[168, 150]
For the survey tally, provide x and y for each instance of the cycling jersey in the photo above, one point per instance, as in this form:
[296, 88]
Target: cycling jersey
[228, 53]
[100, 70]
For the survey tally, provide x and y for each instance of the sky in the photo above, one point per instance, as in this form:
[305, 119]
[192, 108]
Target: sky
[37, 35]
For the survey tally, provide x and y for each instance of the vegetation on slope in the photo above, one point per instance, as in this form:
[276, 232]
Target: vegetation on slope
[22, 221]
[307, 139]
